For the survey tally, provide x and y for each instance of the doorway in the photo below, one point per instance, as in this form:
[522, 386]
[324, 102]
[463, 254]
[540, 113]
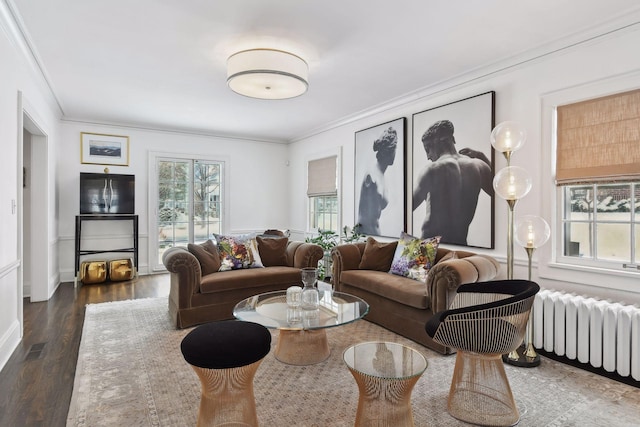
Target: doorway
[34, 237]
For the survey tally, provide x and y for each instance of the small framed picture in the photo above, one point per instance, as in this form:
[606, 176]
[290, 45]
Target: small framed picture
[99, 149]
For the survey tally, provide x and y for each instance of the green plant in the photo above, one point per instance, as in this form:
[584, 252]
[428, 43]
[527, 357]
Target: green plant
[327, 240]
[351, 235]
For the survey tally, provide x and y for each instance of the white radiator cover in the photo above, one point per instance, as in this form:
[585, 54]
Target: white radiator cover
[602, 333]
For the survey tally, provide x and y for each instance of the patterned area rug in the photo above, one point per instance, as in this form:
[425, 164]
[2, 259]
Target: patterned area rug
[131, 372]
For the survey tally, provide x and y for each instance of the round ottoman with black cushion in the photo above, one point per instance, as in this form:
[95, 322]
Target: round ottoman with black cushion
[225, 355]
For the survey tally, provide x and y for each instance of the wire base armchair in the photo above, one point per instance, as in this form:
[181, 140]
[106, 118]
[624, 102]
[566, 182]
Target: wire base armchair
[485, 321]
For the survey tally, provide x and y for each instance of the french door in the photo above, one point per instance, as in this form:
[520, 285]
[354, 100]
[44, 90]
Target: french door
[188, 202]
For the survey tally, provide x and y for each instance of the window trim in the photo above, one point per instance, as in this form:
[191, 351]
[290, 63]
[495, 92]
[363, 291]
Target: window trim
[152, 200]
[551, 263]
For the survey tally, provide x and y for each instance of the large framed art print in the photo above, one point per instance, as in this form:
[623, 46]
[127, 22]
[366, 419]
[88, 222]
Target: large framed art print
[453, 167]
[380, 190]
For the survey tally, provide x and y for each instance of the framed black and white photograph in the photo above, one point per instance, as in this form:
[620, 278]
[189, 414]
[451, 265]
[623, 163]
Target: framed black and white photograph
[380, 190]
[99, 149]
[452, 174]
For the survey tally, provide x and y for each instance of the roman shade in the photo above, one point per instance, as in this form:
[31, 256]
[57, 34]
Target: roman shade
[599, 140]
[321, 177]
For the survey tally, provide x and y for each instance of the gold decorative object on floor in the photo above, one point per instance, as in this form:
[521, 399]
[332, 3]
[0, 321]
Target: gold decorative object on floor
[121, 269]
[485, 321]
[93, 272]
[385, 373]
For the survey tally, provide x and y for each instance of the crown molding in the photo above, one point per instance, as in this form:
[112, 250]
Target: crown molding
[193, 132]
[14, 28]
[622, 24]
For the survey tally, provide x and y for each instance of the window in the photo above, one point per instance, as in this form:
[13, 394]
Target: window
[601, 223]
[598, 167]
[189, 202]
[322, 191]
[323, 212]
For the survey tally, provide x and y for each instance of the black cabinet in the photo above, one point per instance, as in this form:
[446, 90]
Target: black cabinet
[79, 251]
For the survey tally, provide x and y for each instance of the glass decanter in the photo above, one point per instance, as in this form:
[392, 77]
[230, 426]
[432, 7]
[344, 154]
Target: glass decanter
[310, 296]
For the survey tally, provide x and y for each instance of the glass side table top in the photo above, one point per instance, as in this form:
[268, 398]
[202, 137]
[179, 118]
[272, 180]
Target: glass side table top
[271, 310]
[385, 360]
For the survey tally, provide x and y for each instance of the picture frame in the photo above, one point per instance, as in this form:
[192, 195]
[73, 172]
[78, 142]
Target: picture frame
[380, 179]
[103, 149]
[455, 202]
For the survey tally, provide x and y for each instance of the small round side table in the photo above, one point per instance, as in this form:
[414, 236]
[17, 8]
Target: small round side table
[226, 355]
[385, 373]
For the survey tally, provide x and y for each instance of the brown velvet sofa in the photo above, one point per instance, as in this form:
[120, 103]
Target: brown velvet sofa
[195, 298]
[404, 305]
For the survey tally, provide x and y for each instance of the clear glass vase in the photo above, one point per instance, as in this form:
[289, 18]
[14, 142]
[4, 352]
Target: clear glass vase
[310, 296]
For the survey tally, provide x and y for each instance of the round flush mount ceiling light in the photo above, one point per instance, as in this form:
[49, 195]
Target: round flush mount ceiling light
[267, 74]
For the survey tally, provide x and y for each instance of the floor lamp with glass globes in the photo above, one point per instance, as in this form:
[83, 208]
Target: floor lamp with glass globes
[531, 232]
[512, 183]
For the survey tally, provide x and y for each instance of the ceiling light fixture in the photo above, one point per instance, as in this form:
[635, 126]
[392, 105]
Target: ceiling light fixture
[267, 74]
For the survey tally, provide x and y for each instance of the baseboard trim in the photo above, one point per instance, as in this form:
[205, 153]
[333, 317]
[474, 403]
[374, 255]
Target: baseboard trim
[9, 342]
[587, 367]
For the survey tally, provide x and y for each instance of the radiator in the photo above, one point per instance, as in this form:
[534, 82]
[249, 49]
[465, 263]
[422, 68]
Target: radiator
[602, 333]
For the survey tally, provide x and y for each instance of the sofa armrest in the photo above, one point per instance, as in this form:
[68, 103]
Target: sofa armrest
[345, 257]
[186, 275]
[445, 277]
[303, 254]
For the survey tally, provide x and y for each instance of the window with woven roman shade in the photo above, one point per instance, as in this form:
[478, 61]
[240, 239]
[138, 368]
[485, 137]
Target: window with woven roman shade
[599, 140]
[322, 190]
[598, 167]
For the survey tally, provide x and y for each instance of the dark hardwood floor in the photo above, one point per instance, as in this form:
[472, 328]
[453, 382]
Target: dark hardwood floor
[37, 381]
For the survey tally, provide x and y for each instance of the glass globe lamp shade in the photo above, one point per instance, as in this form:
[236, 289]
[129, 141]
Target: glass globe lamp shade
[508, 137]
[532, 231]
[512, 183]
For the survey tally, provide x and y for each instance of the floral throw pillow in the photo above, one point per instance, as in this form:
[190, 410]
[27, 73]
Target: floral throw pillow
[414, 257]
[255, 254]
[235, 252]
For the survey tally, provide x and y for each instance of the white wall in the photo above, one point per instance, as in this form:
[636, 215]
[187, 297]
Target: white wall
[258, 185]
[18, 76]
[519, 93]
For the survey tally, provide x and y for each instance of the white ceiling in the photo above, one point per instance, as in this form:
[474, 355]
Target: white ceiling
[161, 63]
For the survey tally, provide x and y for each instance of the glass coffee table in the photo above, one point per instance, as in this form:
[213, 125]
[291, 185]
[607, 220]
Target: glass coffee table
[302, 336]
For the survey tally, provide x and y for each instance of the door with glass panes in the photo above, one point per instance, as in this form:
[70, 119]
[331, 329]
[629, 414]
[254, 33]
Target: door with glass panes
[189, 198]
